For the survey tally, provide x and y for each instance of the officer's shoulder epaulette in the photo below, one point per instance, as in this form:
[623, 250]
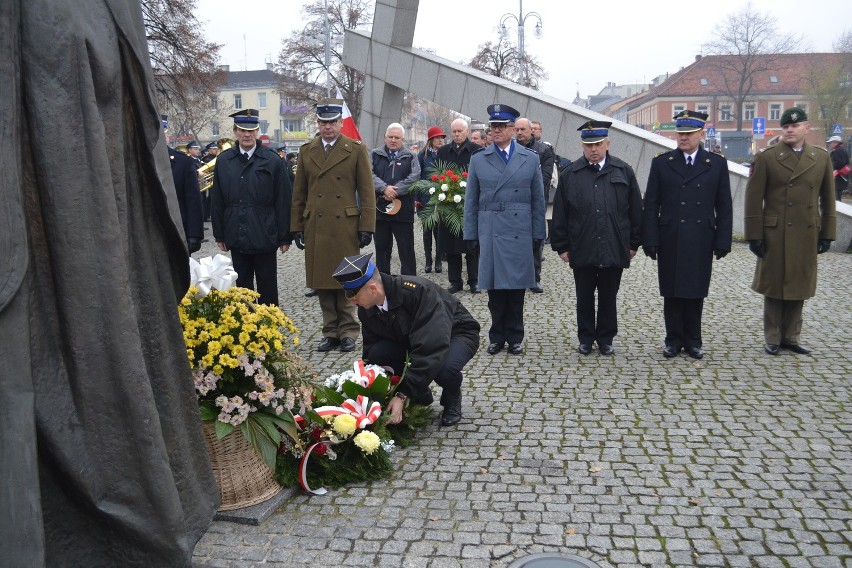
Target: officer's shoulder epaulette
[821, 148]
[357, 141]
[409, 284]
[662, 153]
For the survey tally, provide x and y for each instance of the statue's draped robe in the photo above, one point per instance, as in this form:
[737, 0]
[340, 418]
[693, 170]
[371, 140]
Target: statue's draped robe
[102, 459]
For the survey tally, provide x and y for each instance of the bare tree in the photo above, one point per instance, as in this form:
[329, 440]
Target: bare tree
[303, 53]
[828, 83]
[747, 42]
[502, 60]
[186, 77]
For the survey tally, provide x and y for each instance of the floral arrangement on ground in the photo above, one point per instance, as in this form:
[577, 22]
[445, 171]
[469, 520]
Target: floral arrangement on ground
[444, 192]
[344, 437]
[249, 382]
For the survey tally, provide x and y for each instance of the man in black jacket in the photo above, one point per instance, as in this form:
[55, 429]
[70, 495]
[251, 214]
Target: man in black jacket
[458, 152]
[251, 207]
[839, 159]
[688, 217]
[597, 217]
[395, 168]
[407, 316]
[524, 135]
[189, 198]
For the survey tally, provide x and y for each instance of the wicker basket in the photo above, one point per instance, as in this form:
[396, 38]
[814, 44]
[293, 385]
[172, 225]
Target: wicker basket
[241, 474]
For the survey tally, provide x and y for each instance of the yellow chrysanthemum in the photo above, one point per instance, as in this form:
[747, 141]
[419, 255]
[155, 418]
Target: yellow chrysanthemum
[367, 441]
[345, 425]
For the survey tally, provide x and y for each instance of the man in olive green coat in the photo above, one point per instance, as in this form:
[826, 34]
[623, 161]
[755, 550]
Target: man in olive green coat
[789, 220]
[333, 214]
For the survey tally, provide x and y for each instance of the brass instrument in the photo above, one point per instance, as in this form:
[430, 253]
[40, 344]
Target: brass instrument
[205, 172]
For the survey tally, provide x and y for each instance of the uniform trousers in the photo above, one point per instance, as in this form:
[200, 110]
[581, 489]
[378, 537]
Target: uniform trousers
[449, 376]
[454, 268]
[782, 321]
[386, 232]
[507, 316]
[683, 321]
[339, 315]
[262, 267]
[606, 281]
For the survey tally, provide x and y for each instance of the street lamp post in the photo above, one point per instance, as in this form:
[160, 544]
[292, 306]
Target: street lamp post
[521, 20]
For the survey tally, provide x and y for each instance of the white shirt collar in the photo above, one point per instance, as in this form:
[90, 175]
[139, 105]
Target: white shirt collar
[384, 306]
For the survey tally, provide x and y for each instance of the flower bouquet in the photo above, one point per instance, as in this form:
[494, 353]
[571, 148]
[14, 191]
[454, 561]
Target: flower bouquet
[344, 437]
[444, 192]
[244, 376]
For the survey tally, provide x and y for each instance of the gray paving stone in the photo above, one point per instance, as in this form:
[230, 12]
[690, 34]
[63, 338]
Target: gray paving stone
[741, 457]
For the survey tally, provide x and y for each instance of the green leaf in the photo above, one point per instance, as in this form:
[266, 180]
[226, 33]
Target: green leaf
[267, 426]
[314, 417]
[328, 396]
[379, 389]
[207, 410]
[223, 429]
[352, 389]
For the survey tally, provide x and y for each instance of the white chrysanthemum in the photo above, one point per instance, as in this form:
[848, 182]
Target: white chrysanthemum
[431, 190]
[457, 198]
[442, 197]
[462, 184]
[444, 187]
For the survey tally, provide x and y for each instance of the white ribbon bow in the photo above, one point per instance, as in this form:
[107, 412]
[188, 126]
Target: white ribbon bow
[212, 272]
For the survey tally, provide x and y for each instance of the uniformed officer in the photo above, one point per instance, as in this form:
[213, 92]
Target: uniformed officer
[789, 220]
[687, 218]
[250, 207]
[407, 316]
[597, 217]
[334, 213]
[188, 195]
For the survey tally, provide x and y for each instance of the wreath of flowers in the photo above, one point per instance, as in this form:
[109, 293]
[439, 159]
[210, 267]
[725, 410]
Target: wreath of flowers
[444, 192]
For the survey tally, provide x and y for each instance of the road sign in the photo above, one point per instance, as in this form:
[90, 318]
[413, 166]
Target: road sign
[758, 125]
[837, 129]
[711, 133]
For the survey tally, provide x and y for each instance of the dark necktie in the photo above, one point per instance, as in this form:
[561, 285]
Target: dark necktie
[327, 150]
[595, 167]
[689, 161]
[505, 155]
[393, 156]
[244, 157]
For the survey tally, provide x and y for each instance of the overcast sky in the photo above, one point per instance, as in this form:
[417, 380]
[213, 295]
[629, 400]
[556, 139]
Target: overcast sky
[584, 45]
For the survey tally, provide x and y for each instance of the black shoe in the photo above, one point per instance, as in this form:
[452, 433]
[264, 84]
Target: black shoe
[474, 289]
[494, 348]
[428, 269]
[310, 293]
[515, 349]
[606, 349]
[584, 348]
[670, 351]
[454, 289]
[452, 410]
[796, 348]
[438, 268]
[772, 348]
[347, 344]
[328, 344]
[695, 352]
[537, 289]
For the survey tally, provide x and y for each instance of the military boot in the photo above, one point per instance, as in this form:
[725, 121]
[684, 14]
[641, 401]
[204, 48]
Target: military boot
[452, 403]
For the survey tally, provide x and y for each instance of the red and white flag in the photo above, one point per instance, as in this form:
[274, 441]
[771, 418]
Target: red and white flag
[349, 129]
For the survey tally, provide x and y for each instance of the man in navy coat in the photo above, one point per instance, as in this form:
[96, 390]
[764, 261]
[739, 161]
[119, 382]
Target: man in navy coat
[688, 218]
[504, 211]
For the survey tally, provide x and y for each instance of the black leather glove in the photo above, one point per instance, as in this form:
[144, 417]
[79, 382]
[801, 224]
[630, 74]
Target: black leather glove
[823, 245]
[193, 245]
[299, 239]
[364, 238]
[472, 246]
[720, 254]
[650, 252]
[756, 247]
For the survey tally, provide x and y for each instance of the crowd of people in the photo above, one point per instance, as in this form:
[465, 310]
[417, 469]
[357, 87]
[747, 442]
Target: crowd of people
[336, 197]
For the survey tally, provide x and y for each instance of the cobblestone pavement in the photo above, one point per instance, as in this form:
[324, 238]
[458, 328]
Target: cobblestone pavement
[740, 459]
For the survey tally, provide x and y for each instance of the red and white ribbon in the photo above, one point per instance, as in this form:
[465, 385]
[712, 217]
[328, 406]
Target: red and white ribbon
[303, 471]
[363, 410]
[363, 376]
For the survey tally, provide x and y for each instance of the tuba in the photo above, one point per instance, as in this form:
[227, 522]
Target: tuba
[207, 169]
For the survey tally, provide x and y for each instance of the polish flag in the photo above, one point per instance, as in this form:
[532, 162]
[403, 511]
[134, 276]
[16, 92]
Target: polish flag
[349, 129]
